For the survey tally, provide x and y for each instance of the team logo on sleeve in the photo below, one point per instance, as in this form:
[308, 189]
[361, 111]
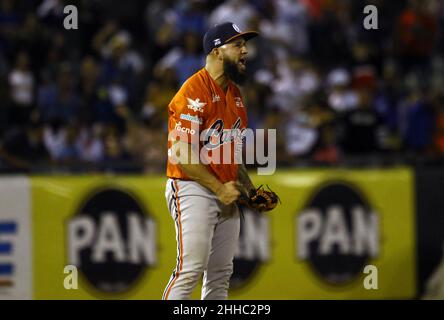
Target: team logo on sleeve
[195, 105]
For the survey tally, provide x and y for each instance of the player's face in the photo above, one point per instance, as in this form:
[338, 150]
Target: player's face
[235, 58]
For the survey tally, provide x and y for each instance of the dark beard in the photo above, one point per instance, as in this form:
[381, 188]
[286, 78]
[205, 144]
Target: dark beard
[232, 72]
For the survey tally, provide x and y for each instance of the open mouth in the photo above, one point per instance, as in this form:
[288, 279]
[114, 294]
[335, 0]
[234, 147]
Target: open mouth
[242, 63]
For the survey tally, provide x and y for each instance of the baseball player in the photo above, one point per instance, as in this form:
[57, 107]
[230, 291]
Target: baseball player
[202, 197]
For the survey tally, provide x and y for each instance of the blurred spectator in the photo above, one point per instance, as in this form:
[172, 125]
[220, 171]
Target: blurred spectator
[256, 96]
[326, 150]
[362, 129]
[158, 95]
[57, 53]
[416, 35]
[89, 90]
[24, 150]
[237, 11]
[89, 144]
[34, 38]
[288, 29]
[21, 83]
[157, 12]
[120, 64]
[118, 51]
[192, 18]
[364, 67]
[301, 135]
[139, 140]
[292, 80]
[259, 52]
[185, 60]
[341, 97]
[54, 138]
[330, 34]
[311, 133]
[416, 122]
[51, 11]
[69, 154]
[59, 101]
[116, 158]
[9, 22]
[161, 20]
[103, 90]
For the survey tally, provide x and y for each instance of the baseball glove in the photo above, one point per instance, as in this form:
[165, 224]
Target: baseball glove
[260, 199]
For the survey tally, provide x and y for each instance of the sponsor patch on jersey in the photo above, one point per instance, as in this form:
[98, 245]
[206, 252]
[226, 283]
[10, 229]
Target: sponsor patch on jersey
[216, 135]
[195, 105]
[238, 102]
[191, 118]
[179, 128]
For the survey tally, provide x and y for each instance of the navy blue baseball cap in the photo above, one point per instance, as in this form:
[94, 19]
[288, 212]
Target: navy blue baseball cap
[222, 33]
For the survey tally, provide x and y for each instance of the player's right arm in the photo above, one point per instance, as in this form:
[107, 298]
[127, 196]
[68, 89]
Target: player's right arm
[227, 192]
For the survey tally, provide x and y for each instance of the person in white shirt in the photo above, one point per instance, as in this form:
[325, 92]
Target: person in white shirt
[21, 83]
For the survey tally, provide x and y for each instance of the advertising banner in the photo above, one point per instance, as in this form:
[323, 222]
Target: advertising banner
[101, 238]
[15, 239]
[430, 232]
[337, 234]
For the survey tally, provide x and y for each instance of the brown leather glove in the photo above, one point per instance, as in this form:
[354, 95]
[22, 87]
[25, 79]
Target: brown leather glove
[260, 199]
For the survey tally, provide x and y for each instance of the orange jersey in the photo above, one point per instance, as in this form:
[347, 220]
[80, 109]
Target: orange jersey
[201, 111]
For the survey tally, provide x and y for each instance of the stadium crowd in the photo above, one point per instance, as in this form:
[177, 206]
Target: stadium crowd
[95, 98]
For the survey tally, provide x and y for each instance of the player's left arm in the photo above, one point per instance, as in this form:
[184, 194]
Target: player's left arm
[244, 182]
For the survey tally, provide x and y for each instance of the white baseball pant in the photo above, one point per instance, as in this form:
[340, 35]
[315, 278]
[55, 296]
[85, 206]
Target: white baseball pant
[207, 234]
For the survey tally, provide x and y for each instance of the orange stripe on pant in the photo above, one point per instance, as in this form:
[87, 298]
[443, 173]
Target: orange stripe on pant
[176, 276]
